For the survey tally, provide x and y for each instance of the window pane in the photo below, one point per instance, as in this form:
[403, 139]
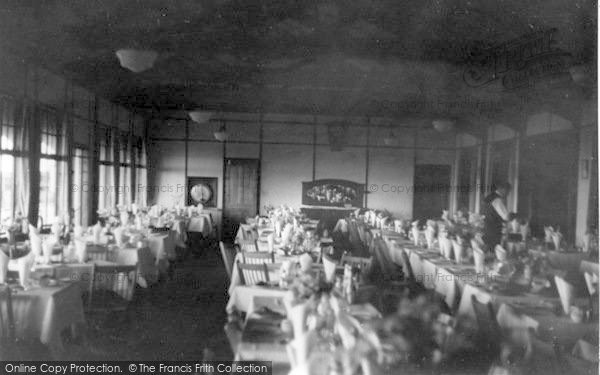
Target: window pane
[106, 187]
[7, 179]
[81, 187]
[125, 186]
[48, 189]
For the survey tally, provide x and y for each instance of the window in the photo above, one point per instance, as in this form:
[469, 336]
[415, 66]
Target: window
[81, 186]
[125, 168]
[7, 158]
[106, 170]
[53, 166]
[141, 172]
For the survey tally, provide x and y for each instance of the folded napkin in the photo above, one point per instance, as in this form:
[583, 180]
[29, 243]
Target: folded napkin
[416, 233]
[398, 226]
[36, 242]
[501, 254]
[458, 251]
[446, 247]
[119, 234]
[557, 240]
[479, 258]
[329, 268]
[97, 232]
[430, 235]
[287, 234]
[566, 292]
[524, 229]
[306, 262]
[24, 265]
[48, 247]
[3, 267]
[591, 280]
[80, 250]
[78, 231]
[124, 216]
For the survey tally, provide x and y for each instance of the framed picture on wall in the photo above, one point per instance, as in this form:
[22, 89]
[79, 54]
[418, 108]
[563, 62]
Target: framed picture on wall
[202, 190]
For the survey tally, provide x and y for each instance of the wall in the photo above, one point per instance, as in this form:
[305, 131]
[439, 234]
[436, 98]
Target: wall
[293, 153]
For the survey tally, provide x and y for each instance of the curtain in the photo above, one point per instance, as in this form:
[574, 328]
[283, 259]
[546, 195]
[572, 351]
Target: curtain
[62, 179]
[125, 188]
[106, 188]
[23, 125]
[141, 178]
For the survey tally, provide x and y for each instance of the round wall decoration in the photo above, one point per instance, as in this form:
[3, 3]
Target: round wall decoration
[201, 193]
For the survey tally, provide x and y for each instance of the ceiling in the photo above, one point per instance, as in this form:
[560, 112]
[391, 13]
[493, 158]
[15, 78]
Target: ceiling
[395, 58]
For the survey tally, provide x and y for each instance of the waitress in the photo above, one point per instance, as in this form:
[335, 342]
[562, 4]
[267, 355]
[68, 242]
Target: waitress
[496, 215]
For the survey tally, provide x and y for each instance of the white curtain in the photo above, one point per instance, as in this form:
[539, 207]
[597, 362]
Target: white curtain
[22, 159]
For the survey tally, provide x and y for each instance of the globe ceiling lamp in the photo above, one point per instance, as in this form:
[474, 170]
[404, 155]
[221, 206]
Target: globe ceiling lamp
[443, 125]
[390, 139]
[136, 60]
[201, 117]
[221, 134]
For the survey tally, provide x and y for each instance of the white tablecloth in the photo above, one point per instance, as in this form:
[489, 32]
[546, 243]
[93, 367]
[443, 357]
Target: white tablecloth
[241, 297]
[201, 224]
[42, 313]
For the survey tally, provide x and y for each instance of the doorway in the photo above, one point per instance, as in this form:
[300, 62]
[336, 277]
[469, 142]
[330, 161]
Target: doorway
[432, 188]
[240, 195]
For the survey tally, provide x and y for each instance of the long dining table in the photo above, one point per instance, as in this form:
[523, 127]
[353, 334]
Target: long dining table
[515, 308]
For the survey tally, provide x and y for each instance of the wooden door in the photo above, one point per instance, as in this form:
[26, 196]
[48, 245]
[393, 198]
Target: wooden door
[240, 198]
[432, 189]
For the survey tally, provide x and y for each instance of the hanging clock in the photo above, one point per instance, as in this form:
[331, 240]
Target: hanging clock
[202, 190]
[201, 193]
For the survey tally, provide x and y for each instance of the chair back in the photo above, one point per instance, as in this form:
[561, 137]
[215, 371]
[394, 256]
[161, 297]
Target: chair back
[406, 267]
[228, 258]
[258, 257]
[7, 323]
[247, 245]
[363, 264]
[112, 287]
[252, 274]
[97, 252]
[486, 318]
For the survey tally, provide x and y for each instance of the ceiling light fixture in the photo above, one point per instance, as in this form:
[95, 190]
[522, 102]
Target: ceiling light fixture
[390, 140]
[443, 125]
[200, 117]
[136, 60]
[580, 74]
[221, 134]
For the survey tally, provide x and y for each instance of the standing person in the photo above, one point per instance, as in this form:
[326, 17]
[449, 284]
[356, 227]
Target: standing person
[496, 215]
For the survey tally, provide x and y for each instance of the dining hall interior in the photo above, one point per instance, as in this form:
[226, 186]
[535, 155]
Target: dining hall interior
[333, 187]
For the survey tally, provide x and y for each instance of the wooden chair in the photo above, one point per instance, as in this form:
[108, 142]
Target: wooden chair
[112, 287]
[252, 274]
[363, 264]
[258, 257]
[228, 258]
[247, 245]
[97, 252]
